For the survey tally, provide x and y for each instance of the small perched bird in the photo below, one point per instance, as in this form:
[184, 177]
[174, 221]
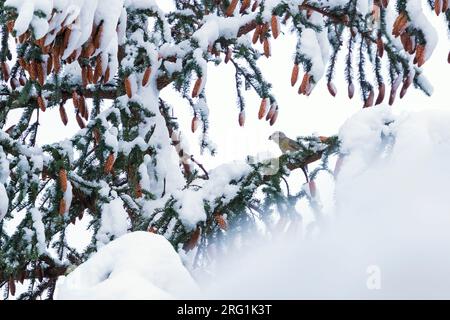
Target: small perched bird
[286, 144]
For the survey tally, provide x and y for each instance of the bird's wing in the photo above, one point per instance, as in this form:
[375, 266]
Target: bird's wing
[287, 145]
[293, 145]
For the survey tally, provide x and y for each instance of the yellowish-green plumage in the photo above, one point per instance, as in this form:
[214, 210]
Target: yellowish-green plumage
[286, 144]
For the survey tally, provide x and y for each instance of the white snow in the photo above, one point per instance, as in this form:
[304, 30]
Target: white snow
[138, 265]
[39, 228]
[4, 176]
[4, 202]
[114, 222]
[191, 202]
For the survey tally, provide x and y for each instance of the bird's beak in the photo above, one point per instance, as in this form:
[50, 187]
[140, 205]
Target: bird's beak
[270, 137]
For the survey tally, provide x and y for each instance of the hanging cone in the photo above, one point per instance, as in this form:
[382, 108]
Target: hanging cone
[192, 242]
[406, 83]
[266, 45]
[12, 285]
[394, 88]
[369, 101]
[444, 6]
[305, 83]
[275, 27]
[128, 88]
[437, 7]
[221, 222]
[228, 55]
[274, 117]
[96, 135]
[62, 206]
[75, 99]
[271, 112]
[98, 69]
[22, 80]
[294, 75]
[231, 8]
[41, 103]
[196, 89]
[400, 24]
[63, 115]
[381, 93]
[331, 88]
[109, 163]
[244, 6]
[255, 5]
[242, 118]
[146, 77]
[256, 34]
[80, 121]
[420, 55]
[14, 83]
[107, 75]
[351, 90]
[262, 108]
[63, 179]
[194, 124]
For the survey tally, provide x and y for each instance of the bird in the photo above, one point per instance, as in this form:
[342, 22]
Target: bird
[286, 144]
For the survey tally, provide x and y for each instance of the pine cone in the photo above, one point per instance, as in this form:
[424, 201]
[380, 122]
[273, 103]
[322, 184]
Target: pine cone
[331, 88]
[192, 243]
[256, 34]
[262, 108]
[12, 285]
[275, 27]
[146, 77]
[221, 222]
[128, 88]
[242, 118]
[63, 179]
[294, 75]
[381, 93]
[63, 114]
[231, 8]
[274, 117]
[266, 45]
[194, 124]
[109, 163]
[305, 83]
[41, 103]
[62, 206]
[244, 6]
[80, 121]
[351, 90]
[197, 85]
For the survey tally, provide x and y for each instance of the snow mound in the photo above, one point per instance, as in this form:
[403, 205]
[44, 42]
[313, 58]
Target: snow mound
[138, 265]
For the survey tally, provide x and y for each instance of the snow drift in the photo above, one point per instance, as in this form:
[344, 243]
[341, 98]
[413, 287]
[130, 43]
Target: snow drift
[138, 265]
